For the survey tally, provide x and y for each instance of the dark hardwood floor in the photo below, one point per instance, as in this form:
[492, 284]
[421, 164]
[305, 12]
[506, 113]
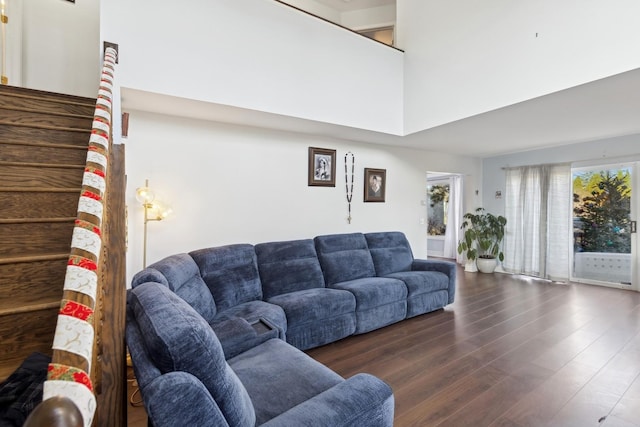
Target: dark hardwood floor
[510, 351]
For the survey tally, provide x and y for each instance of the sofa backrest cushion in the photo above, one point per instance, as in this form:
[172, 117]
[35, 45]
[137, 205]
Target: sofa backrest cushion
[179, 339]
[390, 251]
[288, 266]
[181, 274]
[231, 273]
[344, 257]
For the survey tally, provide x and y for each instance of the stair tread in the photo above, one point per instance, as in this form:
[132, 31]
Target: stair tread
[17, 308]
[44, 136]
[16, 91]
[35, 258]
[37, 153]
[45, 144]
[46, 127]
[43, 165]
[40, 190]
[39, 204]
[35, 220]
[47, 112]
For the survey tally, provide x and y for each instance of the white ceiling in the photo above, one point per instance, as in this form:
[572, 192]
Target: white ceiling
[348, 5]
[605, 108]
[601, 109]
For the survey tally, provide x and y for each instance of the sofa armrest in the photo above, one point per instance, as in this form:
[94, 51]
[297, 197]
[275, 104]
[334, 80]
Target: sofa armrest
[237, 335]
[362, 400]
[446, 267]
[180, 399]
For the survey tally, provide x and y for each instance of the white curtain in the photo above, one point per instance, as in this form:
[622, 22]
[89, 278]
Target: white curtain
[454, 218]
[538, 211]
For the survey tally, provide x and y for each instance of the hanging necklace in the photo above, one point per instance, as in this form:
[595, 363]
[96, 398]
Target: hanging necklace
[349, 189]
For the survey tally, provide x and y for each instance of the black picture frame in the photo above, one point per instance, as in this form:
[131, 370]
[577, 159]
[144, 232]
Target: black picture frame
[375, 184]
[322, 167]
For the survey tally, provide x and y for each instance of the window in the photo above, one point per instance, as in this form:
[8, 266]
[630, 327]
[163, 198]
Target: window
[601, 210]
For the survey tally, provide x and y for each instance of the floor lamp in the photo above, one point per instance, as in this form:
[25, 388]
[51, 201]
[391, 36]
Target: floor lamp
[153, 211]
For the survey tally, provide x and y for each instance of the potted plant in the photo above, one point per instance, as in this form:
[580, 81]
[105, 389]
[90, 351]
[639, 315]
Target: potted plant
[483, 233]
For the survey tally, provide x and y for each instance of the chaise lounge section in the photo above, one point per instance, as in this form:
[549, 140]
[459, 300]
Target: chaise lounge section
[185, 380]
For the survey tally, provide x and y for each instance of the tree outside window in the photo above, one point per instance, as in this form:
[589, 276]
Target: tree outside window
[438, 195]
[601, 207]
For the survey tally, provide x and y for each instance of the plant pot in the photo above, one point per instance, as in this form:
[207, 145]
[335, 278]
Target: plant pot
[470, 267]
[486, 265]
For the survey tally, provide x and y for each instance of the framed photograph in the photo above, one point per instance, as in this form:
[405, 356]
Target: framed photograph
[375, 183]
[322, 167]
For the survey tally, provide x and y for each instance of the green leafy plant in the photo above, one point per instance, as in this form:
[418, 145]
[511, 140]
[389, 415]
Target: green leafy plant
[483, 233]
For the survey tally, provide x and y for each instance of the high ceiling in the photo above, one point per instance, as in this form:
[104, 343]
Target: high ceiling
[605, 108]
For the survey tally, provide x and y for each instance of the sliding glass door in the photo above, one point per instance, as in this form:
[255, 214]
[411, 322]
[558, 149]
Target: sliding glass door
[604, 221]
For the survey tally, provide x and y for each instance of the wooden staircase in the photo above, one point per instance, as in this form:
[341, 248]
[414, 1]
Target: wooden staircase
[43, 149]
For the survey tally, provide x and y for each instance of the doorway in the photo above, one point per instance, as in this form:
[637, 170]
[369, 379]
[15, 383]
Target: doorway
[604, 225]
[444, 214]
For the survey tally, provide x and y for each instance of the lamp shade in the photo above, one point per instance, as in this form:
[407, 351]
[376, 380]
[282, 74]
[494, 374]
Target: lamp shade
[160, 211]
[145, 195]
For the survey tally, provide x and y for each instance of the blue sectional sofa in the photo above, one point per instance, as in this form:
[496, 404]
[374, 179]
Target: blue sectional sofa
[225, 326]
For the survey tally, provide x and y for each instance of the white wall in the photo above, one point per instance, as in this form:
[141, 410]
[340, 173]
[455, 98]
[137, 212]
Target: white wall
[13, 64]
[61, 46]
[260, 55]
[232, 184]
[626, 148]
[467, 57]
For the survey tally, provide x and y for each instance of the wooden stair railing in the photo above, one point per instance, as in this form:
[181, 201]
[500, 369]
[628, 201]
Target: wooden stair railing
[57, 411]
[88, 367]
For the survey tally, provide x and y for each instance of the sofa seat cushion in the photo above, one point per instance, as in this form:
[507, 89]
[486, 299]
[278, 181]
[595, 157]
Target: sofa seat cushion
[179, 339]
[314, 305]
[422, 282]
[380, 301]
[372, 292]
[317, 316]
[252, 312]
[278, 377]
